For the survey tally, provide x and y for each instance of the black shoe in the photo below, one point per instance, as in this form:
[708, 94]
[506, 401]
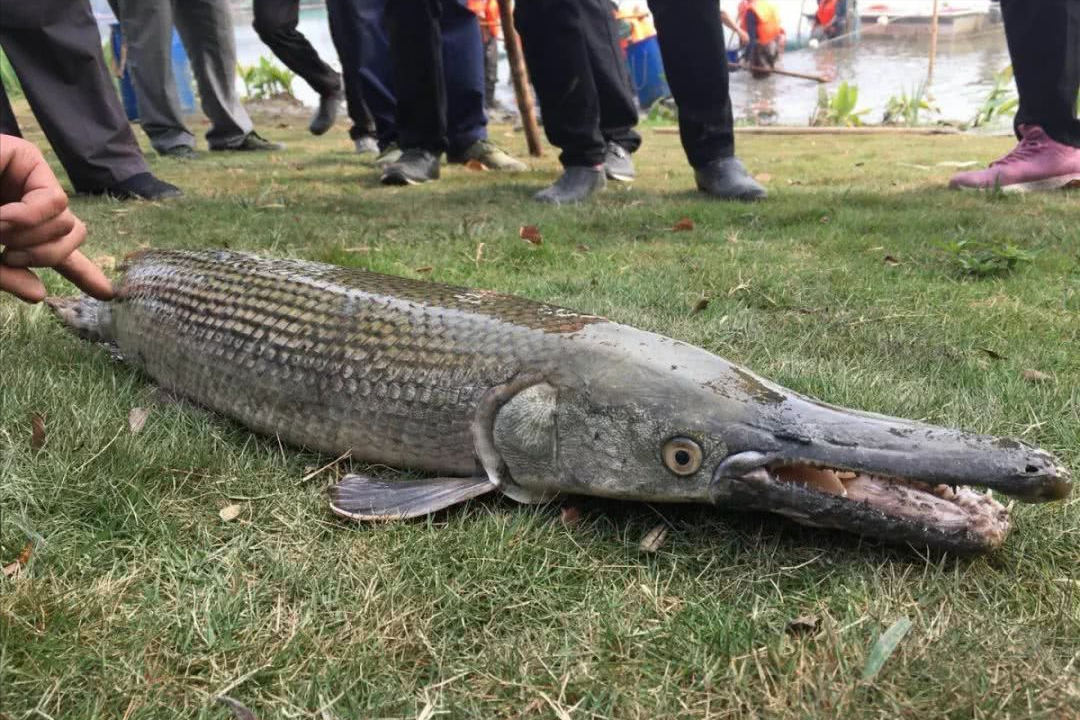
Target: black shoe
[415, 166]
[142, 186]
[576, 184]
[252, 142]
[179, 152]
[727, 178]
[617, 163]
[326, 114]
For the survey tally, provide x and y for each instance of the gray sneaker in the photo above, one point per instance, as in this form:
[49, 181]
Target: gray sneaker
[366, 145]
[415, 166]
[390, 154]
[490, 156]
[574, 185]
[617, 163]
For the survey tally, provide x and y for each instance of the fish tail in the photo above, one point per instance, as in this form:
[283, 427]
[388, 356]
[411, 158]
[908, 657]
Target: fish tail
[88, 318]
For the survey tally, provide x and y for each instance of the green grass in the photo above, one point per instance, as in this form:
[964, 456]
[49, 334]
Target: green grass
[138, 601]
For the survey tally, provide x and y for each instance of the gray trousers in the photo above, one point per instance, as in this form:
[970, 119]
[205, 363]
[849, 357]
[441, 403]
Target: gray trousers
[206, 28]
[55, 49]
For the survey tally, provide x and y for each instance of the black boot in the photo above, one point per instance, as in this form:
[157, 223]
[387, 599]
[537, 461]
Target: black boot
[727, 178]
[326, 114]
[142, 186]
[575, 184]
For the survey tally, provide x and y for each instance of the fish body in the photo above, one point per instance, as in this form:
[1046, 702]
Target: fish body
[495, 392]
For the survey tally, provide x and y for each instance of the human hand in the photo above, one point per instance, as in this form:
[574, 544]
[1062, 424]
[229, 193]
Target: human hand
[37, 229]
[744, 38]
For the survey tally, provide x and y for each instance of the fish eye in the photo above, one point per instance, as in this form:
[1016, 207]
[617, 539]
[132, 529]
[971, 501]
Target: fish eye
[682, 456]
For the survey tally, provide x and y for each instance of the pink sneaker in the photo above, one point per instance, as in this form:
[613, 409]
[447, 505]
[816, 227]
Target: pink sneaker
[1038, 162]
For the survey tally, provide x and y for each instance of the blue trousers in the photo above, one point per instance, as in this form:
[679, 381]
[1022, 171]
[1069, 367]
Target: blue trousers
[408, 93]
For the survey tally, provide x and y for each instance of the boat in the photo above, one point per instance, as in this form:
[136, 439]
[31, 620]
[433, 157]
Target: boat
[899, 18]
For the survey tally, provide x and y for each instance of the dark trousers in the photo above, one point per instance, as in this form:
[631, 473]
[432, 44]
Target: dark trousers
[1044, 44]
[580, 75]
[55, 49]
[692, 47]
[358, 28]
[438, 73]
[275, 22]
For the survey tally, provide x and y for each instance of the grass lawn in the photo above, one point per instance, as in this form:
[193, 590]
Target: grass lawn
[138, 601]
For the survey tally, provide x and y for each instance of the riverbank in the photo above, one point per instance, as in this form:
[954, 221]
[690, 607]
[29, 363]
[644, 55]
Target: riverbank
[862, 281]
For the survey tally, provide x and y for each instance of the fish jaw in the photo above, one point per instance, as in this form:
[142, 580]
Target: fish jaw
[878, 476]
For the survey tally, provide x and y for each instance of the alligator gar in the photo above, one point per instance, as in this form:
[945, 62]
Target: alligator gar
[495, 393]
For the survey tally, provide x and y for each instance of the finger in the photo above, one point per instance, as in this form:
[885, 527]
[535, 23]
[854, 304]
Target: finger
[36, 204]
[21, 241]
[21, 283]
[86, 276]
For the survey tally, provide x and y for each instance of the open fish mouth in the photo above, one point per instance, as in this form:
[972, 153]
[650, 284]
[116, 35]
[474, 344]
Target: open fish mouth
[953, 517]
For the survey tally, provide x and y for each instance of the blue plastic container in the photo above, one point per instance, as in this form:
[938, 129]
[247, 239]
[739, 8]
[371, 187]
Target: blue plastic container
[181, 67]
[647, 71]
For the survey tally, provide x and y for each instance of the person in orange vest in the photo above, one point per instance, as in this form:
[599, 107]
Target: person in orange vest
[830, 20]
[760, 20]
[490, 34]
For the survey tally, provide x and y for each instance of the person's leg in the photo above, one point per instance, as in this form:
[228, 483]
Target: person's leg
[147, 29]
[416, 49]
[206, 28]
[553, 40]
[463, 69]
[615, 90]
[692, 47]
[491, 70]
[55, 49]
[1044, 45]
[275, 22]
[346, 32]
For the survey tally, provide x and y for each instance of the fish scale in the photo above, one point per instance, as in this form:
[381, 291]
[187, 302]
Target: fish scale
[331, 358]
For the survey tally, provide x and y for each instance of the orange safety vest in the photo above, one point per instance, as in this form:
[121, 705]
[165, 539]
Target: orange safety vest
[826, 11]
[768, 19]
[488, 13]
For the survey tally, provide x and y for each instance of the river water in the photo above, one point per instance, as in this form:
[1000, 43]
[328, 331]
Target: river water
[881, 67]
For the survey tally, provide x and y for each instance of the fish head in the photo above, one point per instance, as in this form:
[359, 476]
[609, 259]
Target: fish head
[650, 418]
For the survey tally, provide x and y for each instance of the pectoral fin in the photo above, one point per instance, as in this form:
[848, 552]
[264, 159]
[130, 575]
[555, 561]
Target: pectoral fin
[364, 498]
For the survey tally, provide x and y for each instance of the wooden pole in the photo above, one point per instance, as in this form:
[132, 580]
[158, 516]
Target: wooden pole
[520, 77]
[933, 43]
[778, 71]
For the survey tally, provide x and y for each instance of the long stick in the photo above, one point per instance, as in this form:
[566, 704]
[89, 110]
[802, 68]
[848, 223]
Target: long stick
[817, 130]
[521, 79]
[777, 71]
[933, 44]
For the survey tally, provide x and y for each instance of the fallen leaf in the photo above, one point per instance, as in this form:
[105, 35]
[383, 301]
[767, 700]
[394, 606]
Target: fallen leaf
[37, 431]
[475, 164]
[824, 219]
[24, 556]
[654, 539]
[683, 225]
[582, 247]
[570, 514]
[763, 177]
[803, 624]
[238, 710]
[700, 305]
[11, 569]
[229, 512]
[884, 647]
[1036, 376]
[530, 234]
[137, 418]
[479, 254]
[890, 260]
[106, 263]
[425, 269]
[994, 354]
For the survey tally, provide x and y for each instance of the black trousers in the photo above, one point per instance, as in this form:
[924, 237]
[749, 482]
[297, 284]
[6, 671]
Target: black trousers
[275, 22]
[580, 75]
[1044, 44]
[55, 49]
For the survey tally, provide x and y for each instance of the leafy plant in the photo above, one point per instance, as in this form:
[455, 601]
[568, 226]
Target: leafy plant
[979, 260]
[266, 80]
[9, 78]
[905, 109]
[838, 109]
[999, 101]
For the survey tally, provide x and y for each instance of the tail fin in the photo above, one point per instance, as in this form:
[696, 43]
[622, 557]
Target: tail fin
[88, 318]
